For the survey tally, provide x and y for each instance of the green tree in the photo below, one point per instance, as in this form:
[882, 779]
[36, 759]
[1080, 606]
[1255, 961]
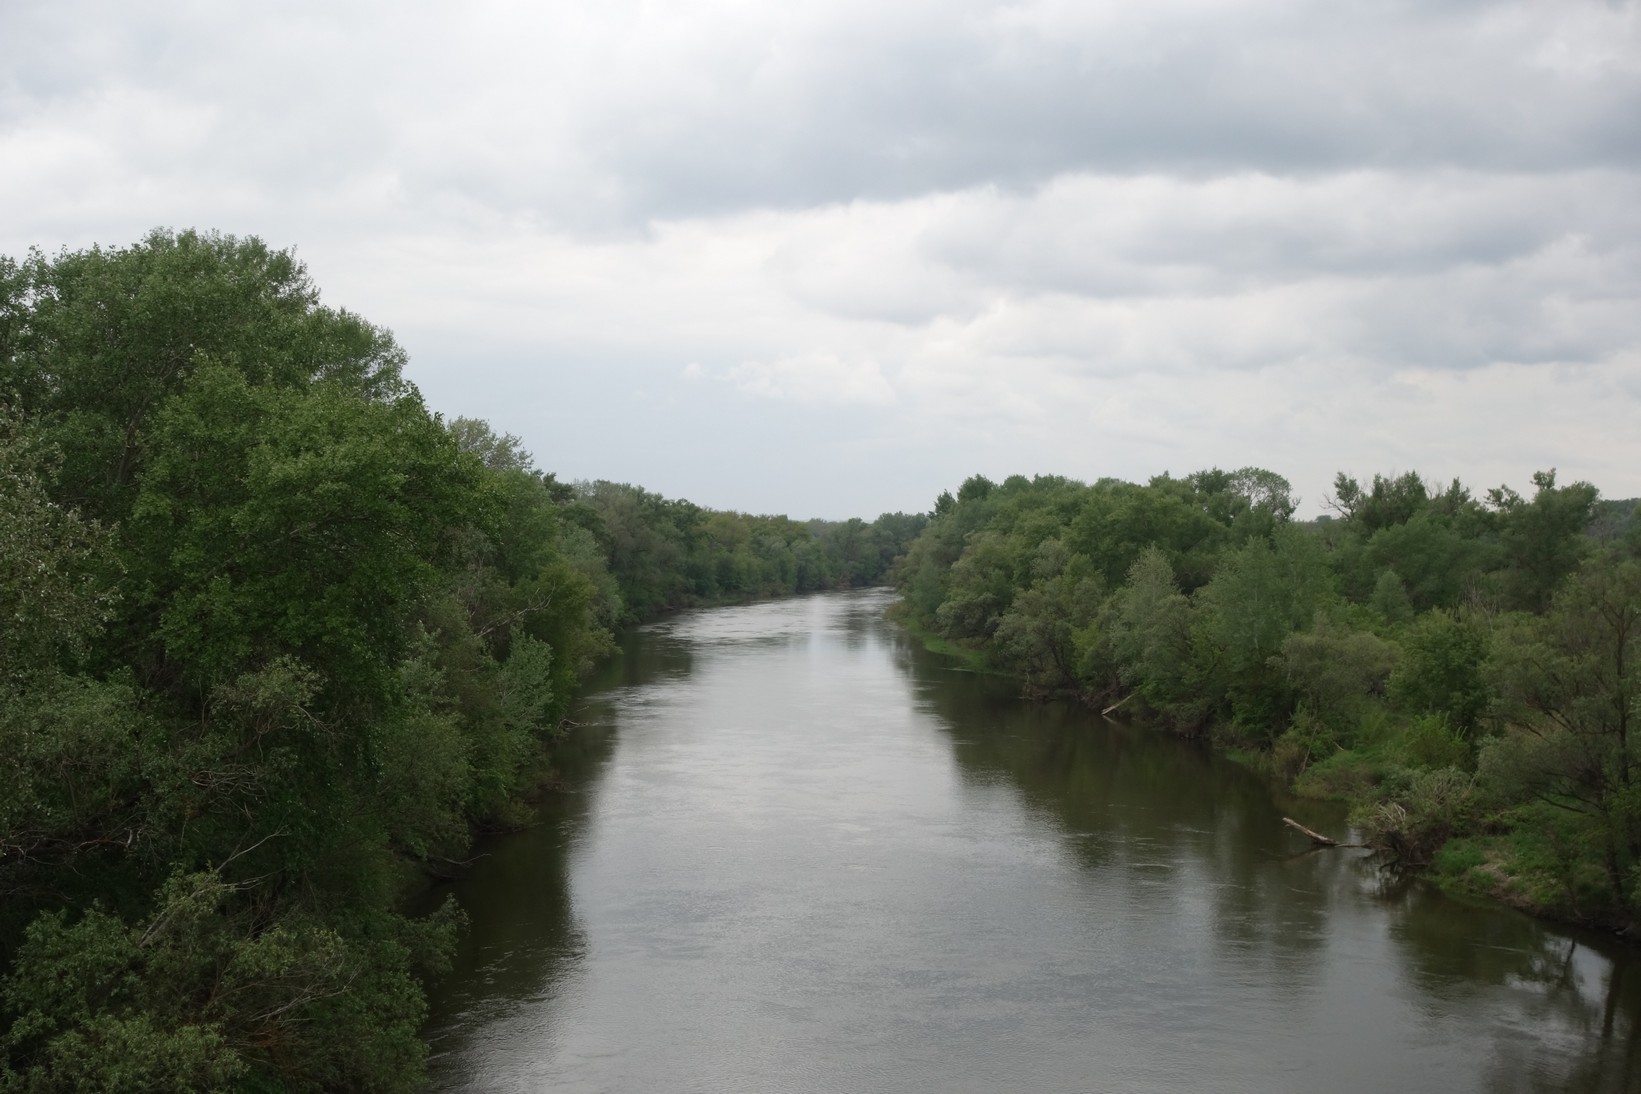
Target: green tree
[1442, 669]
[1570, 685]
[98, 341]
[291, 523]
[980, 588]
[1385, 503]
[54, 563]
[1151, 638]
[1262, 592]
[1436, 562]
[1336, 669]
[1543, 539]
[1048, 632]
[1390, 600]
[1120, 521]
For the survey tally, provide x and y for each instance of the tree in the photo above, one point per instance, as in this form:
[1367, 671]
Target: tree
[1045, 634]
[1442, 669]
[1119, 521]
[302, 523]
[1262, 592]
[1266, 491]
[54, 563]
[1390, 600]
[981, 587]
[1387, 502]
[497, 451]
[1570, 684]
[1436, 562]
[1334, 668]
[111, 335]
[1151, 638]
[1543, 539]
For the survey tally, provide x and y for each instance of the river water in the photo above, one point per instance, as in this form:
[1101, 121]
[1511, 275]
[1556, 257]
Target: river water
[797, 853]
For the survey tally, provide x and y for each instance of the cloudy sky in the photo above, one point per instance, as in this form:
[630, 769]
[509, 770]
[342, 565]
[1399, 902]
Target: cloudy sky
[830, 258]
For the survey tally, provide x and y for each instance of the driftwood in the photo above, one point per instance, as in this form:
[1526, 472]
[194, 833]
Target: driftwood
[1117, 704]
[1316, 837]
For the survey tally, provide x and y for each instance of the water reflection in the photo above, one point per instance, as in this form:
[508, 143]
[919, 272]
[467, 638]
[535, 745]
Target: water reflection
[1573, 989]
[524, 943]
[645, 656]
[1166, 820]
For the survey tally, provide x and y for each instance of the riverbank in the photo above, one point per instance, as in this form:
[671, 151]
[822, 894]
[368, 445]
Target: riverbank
[1408, 796]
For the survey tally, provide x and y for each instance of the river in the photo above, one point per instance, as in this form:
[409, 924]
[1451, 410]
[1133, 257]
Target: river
[795, 852]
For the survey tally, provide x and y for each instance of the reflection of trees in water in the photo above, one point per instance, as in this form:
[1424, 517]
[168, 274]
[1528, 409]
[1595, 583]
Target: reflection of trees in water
[523, 941]
[1582, 990]
[860, 622]
[642, 658]
[1144, 804]
[1599, 1016]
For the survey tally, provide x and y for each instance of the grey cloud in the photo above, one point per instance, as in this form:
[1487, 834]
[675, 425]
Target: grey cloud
[591, 120]
[1116, 236]
[1113, 275]
[969, 95]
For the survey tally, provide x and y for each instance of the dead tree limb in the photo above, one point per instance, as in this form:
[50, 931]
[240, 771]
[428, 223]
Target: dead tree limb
[1316, 837]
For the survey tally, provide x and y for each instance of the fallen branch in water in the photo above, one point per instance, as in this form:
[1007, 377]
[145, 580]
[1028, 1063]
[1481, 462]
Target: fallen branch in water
[1117, 704]
[1316, 837]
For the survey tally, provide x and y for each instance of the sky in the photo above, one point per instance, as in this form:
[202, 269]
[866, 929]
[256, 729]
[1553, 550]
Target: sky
[832, 258]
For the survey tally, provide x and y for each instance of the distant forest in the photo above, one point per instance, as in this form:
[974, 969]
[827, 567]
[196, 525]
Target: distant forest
[276, 641]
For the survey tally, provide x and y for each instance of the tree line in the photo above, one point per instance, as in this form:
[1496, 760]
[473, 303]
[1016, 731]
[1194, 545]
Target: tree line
[274, 641]
[1466, 670]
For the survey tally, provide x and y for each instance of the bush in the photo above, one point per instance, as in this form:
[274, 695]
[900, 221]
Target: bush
[1413, 824]
[1430, 742]
[1343, 776]
[1307, 739]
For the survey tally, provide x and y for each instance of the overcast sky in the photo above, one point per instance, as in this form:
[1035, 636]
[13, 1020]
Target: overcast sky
[831, 258]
